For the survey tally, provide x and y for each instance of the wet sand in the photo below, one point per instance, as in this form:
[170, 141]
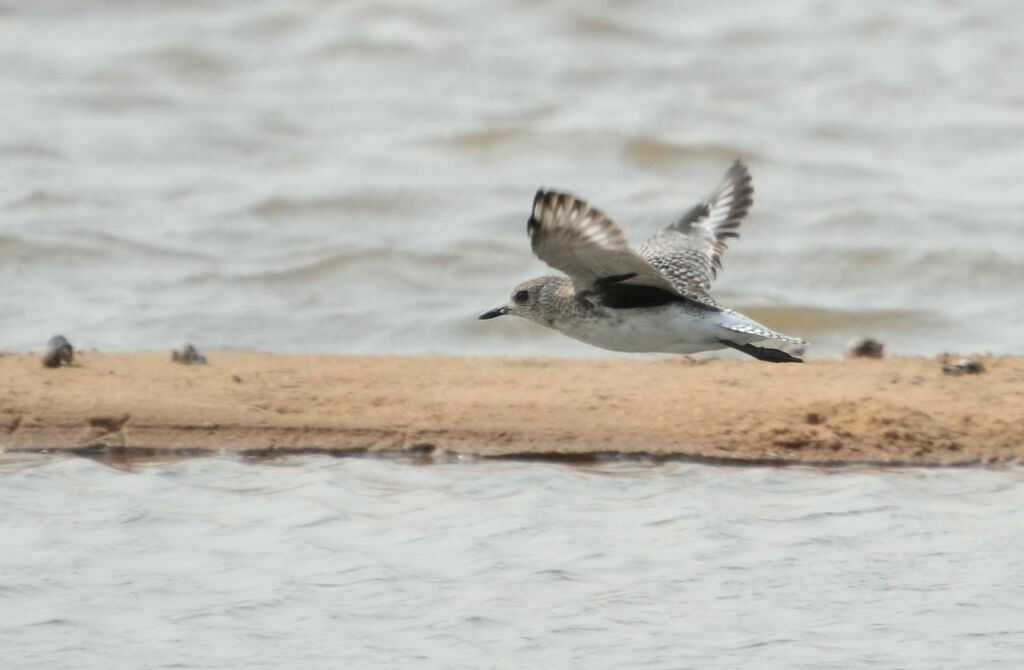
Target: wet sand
[897, 411]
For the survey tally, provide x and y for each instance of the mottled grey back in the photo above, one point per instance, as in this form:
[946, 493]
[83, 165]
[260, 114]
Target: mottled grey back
[689, 252]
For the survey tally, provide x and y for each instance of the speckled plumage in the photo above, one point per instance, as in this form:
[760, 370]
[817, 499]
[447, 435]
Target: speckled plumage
[689, 252]
[654, 298]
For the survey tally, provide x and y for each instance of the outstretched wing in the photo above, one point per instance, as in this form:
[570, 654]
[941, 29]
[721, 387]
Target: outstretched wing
[571, 236]
[689, 252]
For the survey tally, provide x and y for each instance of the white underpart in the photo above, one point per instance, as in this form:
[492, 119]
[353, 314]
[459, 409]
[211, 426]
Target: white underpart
[671, 328]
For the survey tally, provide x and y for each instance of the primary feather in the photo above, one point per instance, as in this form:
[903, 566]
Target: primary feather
[689, 252]
[571, 236]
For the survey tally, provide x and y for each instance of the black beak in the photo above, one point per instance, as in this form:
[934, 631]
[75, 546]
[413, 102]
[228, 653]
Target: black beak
[497, 311]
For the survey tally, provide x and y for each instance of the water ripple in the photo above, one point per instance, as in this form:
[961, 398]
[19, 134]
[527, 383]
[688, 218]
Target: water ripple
[410, 558]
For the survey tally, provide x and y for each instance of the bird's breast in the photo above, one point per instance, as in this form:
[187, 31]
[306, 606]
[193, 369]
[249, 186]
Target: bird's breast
[637, 329]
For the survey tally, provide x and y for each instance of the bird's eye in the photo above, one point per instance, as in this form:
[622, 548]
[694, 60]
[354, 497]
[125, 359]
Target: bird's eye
[521, 297]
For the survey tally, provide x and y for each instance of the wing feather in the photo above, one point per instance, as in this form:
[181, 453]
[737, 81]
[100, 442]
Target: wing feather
[689, 252]
[571, 236]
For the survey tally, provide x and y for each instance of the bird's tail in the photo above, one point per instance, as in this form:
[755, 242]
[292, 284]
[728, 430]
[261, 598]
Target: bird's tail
[741, 333]
[755, 330]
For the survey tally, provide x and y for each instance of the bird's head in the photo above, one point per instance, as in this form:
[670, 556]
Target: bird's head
[531, 300]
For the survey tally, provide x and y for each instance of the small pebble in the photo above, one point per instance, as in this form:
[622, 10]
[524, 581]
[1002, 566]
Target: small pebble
[58, 350]
[189, 355]
[236, 378]
[864, 347]
[964, 366]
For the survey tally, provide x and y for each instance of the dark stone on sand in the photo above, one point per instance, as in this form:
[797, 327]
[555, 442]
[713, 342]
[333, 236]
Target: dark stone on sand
[864, 347]
[964, 366]
[58, 350]
[188, 355]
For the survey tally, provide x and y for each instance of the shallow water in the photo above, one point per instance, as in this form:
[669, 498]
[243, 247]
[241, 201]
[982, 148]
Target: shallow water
[316, 562]
[307, 175]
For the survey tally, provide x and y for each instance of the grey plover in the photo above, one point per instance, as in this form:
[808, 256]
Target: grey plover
[650, 299]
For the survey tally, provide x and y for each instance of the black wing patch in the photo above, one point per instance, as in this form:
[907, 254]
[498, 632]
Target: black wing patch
[635, 296]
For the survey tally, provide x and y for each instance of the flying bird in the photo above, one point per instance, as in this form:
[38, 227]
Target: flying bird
[654, 298]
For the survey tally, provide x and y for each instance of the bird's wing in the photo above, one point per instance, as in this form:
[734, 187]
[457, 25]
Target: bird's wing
[571, 236]
[689, 252]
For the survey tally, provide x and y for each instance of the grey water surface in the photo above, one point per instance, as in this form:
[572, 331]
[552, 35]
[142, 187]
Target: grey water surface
[355, 177]
[311, 175]
[314, 562]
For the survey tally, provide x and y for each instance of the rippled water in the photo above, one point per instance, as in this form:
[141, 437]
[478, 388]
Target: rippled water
[314, 562]
[306, 175]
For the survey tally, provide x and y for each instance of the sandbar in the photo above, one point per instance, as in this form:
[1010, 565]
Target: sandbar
[895, 411]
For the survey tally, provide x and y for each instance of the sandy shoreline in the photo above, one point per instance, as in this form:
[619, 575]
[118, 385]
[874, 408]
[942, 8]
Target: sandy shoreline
[899, 411]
